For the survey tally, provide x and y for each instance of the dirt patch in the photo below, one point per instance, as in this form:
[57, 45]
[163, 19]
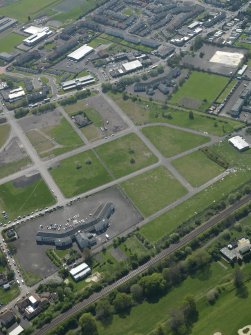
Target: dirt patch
[245, 330]
[118, 254]
[95, 277]
[24, 181]
[50, 119]
[12, 152]
[189, 103]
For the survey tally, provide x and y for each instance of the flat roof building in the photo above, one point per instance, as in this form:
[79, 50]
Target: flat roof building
[6, 22]
[18, 330]
[80, 53]
[77, 82]
[16, 94]
[80, 271]
[132, 66]
[239, 143]
[37, 34]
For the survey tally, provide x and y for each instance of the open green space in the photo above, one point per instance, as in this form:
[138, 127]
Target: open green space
[232, 155]
[153, 190]
[7, 169]
[171, 141]
[144, 317]
[9, 295]
[91, 131]
[10, 41]
[125, 155]
[226, 92]
[54, 140]
[168, 222]
[21, 9]
[132, 246]
[197, 168]
[4, 134]
[77, 11]
[202, 88]
[98, 41]
[22, 199]
[118, 40]
[222, 317]
[79, 173]
[142, 112]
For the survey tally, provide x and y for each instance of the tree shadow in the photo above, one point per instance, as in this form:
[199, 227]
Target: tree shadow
[107, 321]
[242, 292]
[204, 273]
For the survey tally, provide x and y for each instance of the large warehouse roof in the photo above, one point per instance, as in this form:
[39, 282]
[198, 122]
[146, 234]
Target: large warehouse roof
[131, 66]
[239, 143]
[80, 52]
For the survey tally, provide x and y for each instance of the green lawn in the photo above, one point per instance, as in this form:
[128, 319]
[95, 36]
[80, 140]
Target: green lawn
[142, 112]
[222, 317]
[168, 222]
[54, 140]
[4, 134]
[197, 168]
[153, 190]
[9, 295]
[21, 9]
[143, 318]
[132, 246]
[233, 156]
[79, 174]
[200, 87]
[97, 41]
[22, 200]
[125, 155]
[10, 41]
[171, 141]
[226, 92]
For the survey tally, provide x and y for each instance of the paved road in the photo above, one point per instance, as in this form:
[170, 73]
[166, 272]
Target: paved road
[38, 165]
[167, 252]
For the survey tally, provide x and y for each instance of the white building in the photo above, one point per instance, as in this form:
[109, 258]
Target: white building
[16, 94]
[37, 34]
[80, 53]
[80, 271]
[78, 82]
[239, 143]
[132, 66]
[16, 331]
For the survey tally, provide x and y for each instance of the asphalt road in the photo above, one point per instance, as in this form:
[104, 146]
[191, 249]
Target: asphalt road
[167, 252]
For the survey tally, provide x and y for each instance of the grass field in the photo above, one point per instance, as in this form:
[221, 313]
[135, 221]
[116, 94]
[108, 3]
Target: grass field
[9, 295]
[168, 222]
[9, 168]
[125, 155]
[22, 200]
[10, 41]
[153, 190]
[226, 92]
[197, 168]
[79, 174]
[233, 156]
[4, 134]
[92, 131]
[141, 112]
[143, 318]
[21, 9]
[97, 41]
[55, 140]
[171, 141]
[132, 246]
[201, 87]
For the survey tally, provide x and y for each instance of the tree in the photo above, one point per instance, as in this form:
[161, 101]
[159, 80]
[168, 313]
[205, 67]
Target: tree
[88, 324]
[137, 292]
[238, 278]
[153, 285]
[103, 310]
[190, 310]
[191, 116]
[122, 302]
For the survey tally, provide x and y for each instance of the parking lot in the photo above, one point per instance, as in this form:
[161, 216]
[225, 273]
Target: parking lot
[33, 258]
